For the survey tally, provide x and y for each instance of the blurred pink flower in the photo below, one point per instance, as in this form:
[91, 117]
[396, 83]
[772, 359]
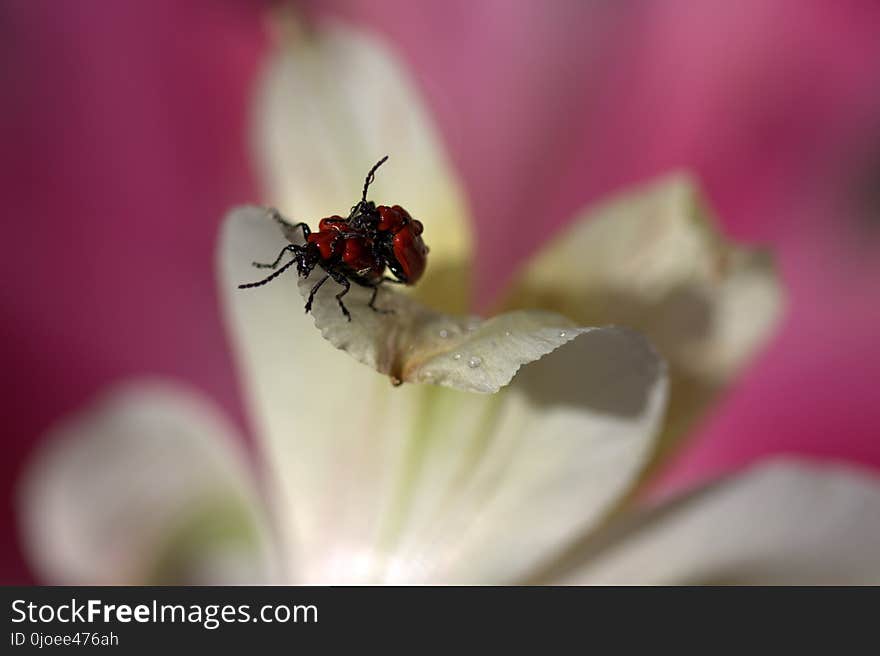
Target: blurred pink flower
[123, 144]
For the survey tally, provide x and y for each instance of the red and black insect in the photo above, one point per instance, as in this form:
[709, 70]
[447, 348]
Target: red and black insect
[356, 249]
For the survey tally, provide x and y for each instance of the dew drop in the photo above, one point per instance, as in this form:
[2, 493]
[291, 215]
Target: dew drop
[444, 333]
[475, 362]
[562, 333]
[507, 333]
[456, 356]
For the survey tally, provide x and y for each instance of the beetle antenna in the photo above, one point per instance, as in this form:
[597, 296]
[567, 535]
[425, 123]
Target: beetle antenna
[370, 176]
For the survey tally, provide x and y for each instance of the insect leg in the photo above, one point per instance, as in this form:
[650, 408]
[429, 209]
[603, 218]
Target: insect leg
[287, 225]
[342, 280]
[289, 248]
[372, 302]
[270, 278]
[315, 291]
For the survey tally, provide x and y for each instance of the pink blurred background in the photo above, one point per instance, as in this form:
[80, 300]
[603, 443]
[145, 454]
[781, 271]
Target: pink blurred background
[124, 142]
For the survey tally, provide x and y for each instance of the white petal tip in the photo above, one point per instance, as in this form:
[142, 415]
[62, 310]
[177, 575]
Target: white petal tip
[412, 343]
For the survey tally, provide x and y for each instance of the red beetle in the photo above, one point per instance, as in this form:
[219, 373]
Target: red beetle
[410, 254]
[355, 249]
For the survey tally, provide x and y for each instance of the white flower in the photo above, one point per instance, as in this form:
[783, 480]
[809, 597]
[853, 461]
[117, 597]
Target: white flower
[359, 481]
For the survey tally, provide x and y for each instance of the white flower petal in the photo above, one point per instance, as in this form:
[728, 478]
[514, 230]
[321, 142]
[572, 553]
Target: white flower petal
[420, 482]
[321, 418]
[497, 485]
[410, 342]
[652, 259]
[332, 103]
[784, 523]
[146, 486]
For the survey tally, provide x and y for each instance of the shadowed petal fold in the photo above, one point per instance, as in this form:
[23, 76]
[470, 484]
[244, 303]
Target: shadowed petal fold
[652, 259]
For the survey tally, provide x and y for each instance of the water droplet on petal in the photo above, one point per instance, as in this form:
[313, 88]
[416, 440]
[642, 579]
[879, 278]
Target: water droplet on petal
[562, 333]
[507, 333]
[456, 356]
[444, 333]
[475, 362]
